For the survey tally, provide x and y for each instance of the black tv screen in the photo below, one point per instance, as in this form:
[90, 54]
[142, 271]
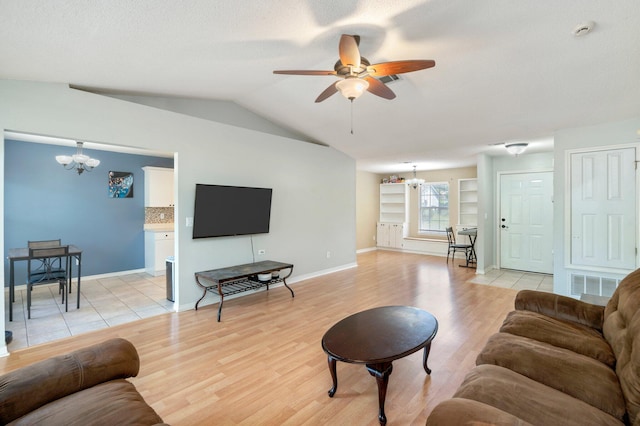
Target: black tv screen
[231, 210]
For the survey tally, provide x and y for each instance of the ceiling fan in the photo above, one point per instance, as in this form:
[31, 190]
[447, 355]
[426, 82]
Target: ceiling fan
[358, 74]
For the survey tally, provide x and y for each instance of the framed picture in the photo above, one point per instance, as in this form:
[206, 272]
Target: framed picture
[120, 185]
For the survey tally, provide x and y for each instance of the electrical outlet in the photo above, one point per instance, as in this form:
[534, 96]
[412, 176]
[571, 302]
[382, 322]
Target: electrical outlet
[262, 251]
[161, 215]
[328, 254]
[189, 221]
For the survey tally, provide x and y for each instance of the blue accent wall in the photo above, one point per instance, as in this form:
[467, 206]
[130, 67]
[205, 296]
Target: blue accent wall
[44, 201]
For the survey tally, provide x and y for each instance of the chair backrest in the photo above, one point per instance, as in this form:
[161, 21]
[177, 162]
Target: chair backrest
[44, 243]
[451, 237]
[46, 263]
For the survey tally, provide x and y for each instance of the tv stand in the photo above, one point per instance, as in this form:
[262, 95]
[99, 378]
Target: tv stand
[241, 278]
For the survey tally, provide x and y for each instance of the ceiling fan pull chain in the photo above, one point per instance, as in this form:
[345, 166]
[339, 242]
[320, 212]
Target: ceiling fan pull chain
[351, 115]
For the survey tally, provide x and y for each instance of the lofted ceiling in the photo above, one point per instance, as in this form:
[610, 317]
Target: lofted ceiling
[505, 70]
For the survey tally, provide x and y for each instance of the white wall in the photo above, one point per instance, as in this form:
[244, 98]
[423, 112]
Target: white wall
[313, 207]
[367, 209]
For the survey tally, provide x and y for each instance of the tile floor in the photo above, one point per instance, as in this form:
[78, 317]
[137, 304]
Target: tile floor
[517, 280]
[104, 302]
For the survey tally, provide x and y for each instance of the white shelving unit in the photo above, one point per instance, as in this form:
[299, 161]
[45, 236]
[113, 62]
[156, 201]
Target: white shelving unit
[394, 215]
[393, 203]
[467, 203]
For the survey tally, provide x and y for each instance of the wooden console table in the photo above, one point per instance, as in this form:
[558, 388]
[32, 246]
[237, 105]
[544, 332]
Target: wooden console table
[237, 279]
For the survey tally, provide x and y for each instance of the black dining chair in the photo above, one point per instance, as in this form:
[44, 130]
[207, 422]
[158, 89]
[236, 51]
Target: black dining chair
[454, 247]
[46, 244]
[47, 265]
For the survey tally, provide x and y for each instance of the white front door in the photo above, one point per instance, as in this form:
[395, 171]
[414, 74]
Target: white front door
[603, 209]
[526, 221]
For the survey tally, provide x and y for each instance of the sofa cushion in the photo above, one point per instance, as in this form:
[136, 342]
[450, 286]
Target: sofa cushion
[576, 375]
[529, 400]
[560, 307]
[53, 378]
[621, 328]
[112, 403]
[460, 411]
[564, 334]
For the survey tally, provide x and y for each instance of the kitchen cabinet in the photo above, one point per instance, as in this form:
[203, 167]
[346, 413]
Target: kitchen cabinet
[158, 245]
[158, 187]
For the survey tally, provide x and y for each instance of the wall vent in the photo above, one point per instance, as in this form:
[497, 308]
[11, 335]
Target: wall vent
[386, 79]
[592, 284]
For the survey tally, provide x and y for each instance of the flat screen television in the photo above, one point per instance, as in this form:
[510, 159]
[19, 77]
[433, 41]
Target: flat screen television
[222, 211]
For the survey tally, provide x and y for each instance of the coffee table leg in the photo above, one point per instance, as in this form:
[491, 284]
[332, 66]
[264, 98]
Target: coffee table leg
[427, 349]
[381, 372]
[334, 376]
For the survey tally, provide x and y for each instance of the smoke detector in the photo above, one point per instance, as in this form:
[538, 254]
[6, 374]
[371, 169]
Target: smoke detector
[583, 28]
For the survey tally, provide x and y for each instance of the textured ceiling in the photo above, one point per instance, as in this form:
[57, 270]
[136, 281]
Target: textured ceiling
[505, 70]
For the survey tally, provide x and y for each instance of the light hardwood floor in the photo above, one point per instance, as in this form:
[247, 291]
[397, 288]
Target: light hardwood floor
[263, 364]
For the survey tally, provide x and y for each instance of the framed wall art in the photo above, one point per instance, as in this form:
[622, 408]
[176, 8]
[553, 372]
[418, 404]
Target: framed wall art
[120, 184]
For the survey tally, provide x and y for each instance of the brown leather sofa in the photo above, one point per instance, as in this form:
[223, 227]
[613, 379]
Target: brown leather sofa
[556, 361]
[84, 387]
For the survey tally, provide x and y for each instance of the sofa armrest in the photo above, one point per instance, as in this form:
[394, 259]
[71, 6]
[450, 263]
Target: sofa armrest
[28, 388]
[561, 307]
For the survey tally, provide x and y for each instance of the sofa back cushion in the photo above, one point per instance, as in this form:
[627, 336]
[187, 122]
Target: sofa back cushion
[621, 328]
[28, 388]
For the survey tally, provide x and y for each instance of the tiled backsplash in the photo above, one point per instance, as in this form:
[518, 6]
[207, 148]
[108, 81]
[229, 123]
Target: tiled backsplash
[154, 215]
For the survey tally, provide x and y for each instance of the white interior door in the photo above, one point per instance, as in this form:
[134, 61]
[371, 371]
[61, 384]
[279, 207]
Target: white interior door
[526, 221]
[603, 209]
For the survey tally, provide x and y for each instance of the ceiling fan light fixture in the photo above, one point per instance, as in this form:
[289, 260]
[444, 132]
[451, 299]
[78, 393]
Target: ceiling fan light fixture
[352, 88]
[516, 148]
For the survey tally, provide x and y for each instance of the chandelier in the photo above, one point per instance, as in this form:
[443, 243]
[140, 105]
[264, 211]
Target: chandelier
[414, 182]
[78, 162]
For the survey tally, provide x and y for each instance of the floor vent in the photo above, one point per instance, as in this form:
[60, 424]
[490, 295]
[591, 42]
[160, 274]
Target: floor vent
[593, 284]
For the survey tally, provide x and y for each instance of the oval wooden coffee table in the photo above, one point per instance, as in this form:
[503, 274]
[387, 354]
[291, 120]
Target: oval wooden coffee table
[376, 337]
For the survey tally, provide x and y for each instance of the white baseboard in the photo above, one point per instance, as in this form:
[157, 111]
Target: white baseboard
[364, 250]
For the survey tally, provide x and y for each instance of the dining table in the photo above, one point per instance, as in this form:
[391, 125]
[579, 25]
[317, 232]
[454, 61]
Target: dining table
[22, 254]
[472, 259]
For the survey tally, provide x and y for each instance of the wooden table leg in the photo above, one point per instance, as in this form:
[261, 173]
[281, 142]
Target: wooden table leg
[427, 349]
[381, 372]
[334, 376]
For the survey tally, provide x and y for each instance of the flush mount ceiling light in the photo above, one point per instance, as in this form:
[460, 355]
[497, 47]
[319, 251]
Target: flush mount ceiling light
[414, 182]
[78, 162]
[516, 148]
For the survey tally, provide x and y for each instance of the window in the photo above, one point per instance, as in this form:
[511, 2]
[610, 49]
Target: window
[434, 207]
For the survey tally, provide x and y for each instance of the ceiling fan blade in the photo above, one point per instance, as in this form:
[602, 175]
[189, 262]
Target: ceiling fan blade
[327, 92]
[349, 52]
[399, 67]
[379, 88]
[304, 72]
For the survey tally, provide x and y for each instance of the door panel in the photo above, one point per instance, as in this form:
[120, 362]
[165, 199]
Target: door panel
[526, 221]
[603, 209]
